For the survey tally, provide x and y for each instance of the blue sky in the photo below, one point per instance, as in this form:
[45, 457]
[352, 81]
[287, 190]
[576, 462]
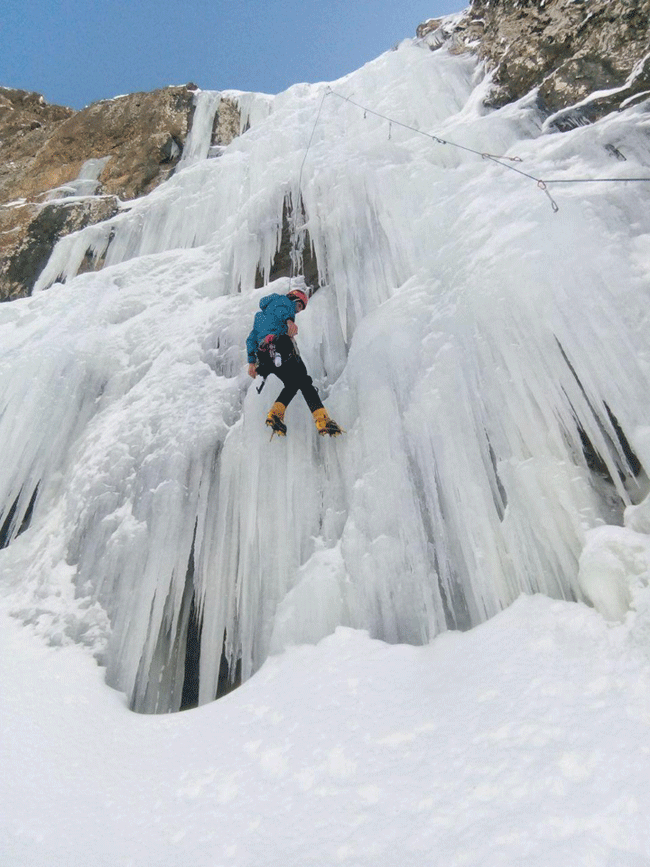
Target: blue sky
[75, 52]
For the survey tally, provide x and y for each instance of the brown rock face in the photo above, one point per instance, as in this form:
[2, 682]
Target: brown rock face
[140, 133]
[137, 141]
[567, 49]
[226, 123]
[26, 124]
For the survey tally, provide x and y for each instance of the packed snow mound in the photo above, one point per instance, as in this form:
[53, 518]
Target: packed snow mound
[524, 741]
[487, 357]
[614, 571]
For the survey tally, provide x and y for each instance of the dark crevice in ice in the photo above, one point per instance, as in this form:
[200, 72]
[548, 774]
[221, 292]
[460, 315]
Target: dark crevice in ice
[14, 524]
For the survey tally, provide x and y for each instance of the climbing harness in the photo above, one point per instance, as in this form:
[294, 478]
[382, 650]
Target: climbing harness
[270, 357]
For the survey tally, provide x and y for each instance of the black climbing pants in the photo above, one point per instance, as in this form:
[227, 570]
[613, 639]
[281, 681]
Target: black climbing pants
[292, 373]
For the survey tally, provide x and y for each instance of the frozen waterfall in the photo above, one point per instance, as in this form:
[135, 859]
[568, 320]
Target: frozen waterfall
[489, 360]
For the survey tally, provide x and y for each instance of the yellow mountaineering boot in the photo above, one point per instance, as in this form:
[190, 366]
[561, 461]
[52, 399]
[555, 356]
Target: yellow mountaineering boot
[326, 425]
[275, 419]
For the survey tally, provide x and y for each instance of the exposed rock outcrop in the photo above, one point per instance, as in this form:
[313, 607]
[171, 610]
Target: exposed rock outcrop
[585, 58]
[26, 124]
[227, 123]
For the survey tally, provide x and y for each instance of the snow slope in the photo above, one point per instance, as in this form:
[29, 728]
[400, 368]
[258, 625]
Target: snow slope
[522, 742]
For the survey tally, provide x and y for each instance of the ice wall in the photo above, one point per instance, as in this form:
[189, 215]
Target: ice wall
[487, 357]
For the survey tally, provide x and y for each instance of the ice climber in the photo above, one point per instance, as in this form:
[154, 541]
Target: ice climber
[271, 349]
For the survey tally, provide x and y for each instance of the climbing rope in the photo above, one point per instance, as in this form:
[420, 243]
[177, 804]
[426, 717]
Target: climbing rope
[437, 139]
[501, 160]
[294, 245]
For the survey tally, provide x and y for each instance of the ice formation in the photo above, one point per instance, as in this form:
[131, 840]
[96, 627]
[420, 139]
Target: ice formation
[86, 184]
[487, 357]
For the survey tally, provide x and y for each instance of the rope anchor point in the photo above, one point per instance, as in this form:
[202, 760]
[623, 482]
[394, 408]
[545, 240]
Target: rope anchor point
[542, 186]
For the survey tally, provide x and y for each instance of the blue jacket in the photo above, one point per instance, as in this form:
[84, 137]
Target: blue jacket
[275, 311]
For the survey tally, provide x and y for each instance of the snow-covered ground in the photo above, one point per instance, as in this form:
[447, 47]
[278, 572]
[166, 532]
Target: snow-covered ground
[523, 742]
[490, 362]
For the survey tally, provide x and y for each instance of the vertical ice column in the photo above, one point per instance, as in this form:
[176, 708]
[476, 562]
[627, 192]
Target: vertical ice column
[206, 105]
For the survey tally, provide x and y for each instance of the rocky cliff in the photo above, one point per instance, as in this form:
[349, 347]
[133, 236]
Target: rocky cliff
[581, 58]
